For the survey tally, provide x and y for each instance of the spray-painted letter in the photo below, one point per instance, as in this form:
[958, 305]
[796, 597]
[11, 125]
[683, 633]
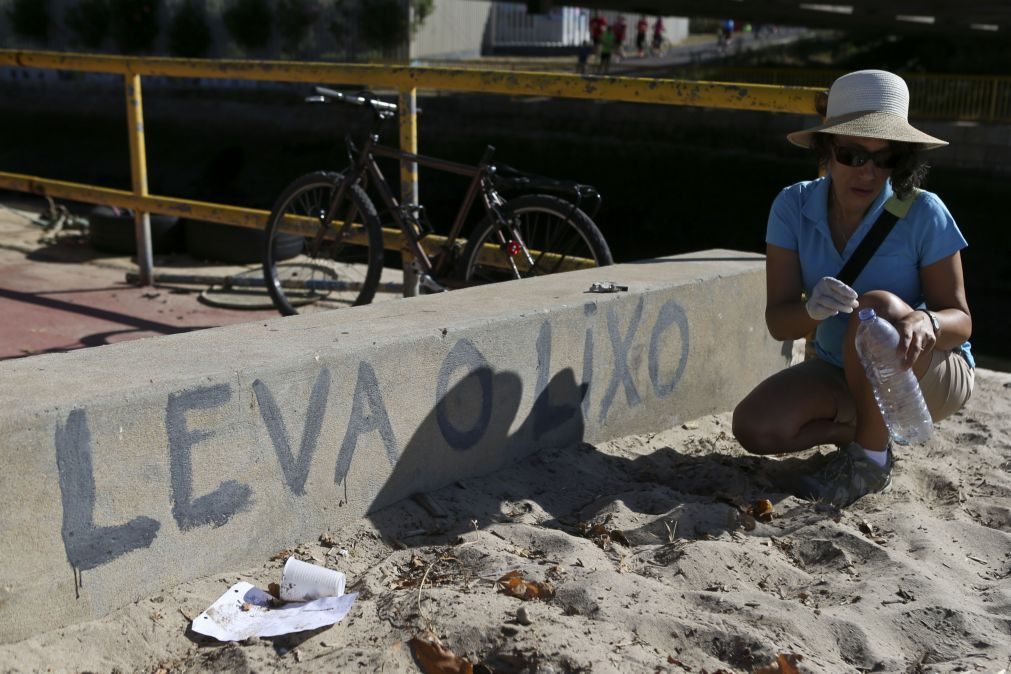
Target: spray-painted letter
[589, 309]
[376, 419]
[546, 415]
[231, 497]
[621, 373]
[296, 471]
[670, 313]
[463, 354]
[88, 546]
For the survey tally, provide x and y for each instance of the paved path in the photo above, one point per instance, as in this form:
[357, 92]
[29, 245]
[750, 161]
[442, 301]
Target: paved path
[65, 295]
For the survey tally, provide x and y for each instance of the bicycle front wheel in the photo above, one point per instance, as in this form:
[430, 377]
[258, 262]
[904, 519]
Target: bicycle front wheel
[337, 267]
[538, 234]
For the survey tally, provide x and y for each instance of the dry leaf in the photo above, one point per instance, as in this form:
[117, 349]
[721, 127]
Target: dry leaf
[274, 590]
[514, 585]
[762, 510]
[786, 663]
[434, 658]
[328, 541]
[300, 551]
[601, 535]
[528, 553]
[618, 537]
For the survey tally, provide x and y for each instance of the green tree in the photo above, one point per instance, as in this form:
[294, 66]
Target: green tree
[422, 10]
[294, 18]
[249, 23]
[134, 24]
[30, 18]
[89, 20]
[342, 24]
[188, 33]
[383, 23]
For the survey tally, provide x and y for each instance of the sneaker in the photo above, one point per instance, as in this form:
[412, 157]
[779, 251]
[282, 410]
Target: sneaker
[848, 475]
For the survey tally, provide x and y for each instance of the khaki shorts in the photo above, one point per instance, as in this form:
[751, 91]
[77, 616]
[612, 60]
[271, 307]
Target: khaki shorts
[946, 387]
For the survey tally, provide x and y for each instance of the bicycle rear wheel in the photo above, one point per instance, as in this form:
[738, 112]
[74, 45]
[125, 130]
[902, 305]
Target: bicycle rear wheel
[328, 274]
[539, 234]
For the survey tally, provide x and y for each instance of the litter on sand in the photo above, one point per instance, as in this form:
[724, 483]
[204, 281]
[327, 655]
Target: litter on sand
[246, 611]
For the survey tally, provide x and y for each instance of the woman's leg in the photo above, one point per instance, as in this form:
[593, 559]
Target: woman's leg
[863, 466]
[947, 385]
[795, 409]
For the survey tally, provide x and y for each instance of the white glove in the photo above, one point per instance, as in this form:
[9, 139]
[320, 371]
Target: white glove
[829, 297]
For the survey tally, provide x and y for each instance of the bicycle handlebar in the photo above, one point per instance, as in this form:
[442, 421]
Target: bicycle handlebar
[380, 107]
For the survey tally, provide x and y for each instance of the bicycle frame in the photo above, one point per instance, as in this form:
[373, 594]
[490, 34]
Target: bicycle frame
[365, 164]
[531, 225]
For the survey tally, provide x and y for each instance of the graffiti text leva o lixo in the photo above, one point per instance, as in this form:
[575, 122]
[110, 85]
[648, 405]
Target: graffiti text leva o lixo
[88, 546]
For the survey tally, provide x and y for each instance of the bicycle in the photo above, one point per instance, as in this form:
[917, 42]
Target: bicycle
[541, 230]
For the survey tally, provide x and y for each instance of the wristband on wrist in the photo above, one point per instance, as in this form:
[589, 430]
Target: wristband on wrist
[935, 322]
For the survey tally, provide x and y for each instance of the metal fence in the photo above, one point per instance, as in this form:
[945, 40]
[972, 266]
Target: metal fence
[405, 80]
[977, 98]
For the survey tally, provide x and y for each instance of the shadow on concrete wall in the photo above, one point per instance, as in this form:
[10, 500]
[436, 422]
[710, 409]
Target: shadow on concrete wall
[547, 472]
[476, 416]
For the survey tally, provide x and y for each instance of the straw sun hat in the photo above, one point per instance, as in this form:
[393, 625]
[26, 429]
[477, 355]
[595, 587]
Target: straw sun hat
[871, 104]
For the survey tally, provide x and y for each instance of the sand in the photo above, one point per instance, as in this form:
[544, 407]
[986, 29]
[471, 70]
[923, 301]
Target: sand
[647, 560]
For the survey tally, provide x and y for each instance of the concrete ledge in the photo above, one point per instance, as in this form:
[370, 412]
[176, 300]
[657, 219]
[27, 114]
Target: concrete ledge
[128, 466]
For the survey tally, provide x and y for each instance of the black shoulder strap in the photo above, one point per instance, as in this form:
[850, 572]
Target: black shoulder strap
[865, 251]
[894, 210]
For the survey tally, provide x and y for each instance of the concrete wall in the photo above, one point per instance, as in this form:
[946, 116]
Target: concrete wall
[131, 467]
[454, 30]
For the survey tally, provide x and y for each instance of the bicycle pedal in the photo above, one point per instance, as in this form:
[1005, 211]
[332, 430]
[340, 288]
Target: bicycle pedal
[429, 283]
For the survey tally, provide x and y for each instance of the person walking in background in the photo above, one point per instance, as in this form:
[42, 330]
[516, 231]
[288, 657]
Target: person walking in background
[607, 42]
[620, 28]
[728, 30]
[597, 26]
[874, 166]
[658, 31]
[583, 56]
[724, 35]
[641, 28]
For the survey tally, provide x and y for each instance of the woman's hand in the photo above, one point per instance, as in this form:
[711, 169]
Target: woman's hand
[829, 297]
[916, 336]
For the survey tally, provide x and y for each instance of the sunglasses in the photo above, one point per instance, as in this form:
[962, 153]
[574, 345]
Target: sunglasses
[856, 157]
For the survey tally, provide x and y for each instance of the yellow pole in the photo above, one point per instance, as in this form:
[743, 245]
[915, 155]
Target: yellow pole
[734, 96]
[138, 173]
[992, 116]
[409, 178]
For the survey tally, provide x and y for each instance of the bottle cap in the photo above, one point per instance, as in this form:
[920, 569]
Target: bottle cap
[866, 314]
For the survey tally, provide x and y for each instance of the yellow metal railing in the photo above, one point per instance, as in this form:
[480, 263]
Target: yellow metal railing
[405, 80]
[977, 98]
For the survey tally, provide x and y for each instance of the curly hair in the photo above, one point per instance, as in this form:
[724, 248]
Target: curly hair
[909, 173]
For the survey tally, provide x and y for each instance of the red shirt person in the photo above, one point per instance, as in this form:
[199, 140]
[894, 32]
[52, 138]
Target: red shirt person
[597, 26]
[640, 34]
[620, 28]
[658, 31]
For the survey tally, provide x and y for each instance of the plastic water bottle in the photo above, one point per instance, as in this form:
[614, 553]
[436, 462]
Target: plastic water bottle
[896, 390]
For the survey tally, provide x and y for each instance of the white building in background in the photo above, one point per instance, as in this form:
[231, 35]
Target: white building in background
[455, 29]
[511, 26]
[468, 28]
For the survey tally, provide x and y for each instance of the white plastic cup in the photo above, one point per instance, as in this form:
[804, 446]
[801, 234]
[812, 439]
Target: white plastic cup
[301, 581]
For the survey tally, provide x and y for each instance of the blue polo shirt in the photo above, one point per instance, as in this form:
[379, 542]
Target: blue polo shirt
[799, 222]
